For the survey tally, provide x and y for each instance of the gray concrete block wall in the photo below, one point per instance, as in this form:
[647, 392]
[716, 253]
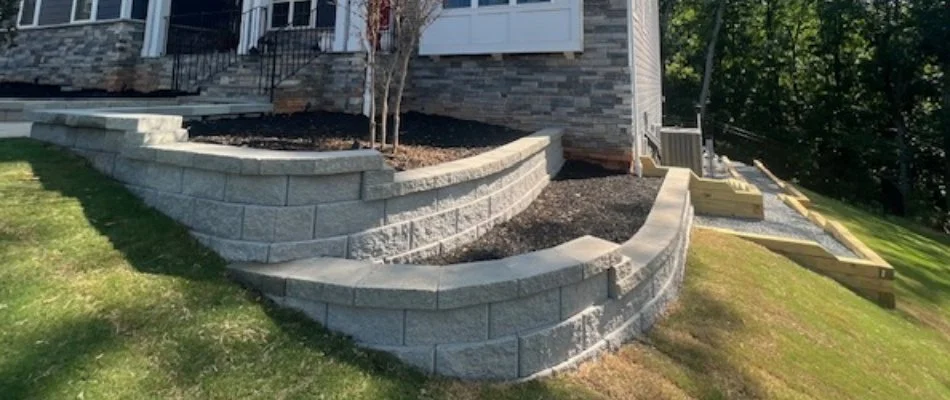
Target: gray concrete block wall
[519, 318]
[267, 206]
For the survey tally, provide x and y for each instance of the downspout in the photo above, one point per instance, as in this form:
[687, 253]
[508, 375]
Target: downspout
[631, 60]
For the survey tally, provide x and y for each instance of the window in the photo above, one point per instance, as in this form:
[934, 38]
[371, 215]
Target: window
[28, 12]
[83, 10]
[291, 13]
[486, 3]
[533, 1]
[447, 4]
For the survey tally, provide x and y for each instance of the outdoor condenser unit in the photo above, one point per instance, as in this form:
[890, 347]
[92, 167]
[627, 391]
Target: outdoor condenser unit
[682, 147]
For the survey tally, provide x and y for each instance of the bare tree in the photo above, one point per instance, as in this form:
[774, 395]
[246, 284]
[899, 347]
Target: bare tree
[371, 11]
[394, 30]
[710, 58]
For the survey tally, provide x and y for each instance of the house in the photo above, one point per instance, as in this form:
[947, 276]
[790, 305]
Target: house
[592, 66]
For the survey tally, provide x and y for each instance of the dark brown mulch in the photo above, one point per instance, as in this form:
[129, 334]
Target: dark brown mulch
[583, 199]
[425, 140]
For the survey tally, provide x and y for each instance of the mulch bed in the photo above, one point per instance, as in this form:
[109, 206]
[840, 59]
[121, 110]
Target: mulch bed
[425, 140]
[24, 90]
[584, 199]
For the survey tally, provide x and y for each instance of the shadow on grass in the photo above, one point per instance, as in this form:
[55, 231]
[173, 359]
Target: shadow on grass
[699, 334]
[154, 244]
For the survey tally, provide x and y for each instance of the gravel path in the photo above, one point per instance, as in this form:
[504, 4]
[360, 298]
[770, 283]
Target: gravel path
[780, 219]
[582, 200]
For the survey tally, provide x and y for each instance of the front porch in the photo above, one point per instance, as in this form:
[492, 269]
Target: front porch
[177, 26]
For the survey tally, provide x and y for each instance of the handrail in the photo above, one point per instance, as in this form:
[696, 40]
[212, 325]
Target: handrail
[288, 49]
[201, 52]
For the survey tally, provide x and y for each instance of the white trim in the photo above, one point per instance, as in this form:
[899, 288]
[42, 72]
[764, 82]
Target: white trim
[456, 30]
[126, 10]
[290, 15]
[93, 12]
[36, 14]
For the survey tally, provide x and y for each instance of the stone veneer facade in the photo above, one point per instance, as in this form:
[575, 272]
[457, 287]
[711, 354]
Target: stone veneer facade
[590, 94]
[100, 55]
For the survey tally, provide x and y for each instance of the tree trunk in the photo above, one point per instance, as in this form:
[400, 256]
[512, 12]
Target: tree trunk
[710, 58]
[403, 73]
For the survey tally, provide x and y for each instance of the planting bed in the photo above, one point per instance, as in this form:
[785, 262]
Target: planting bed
[23, 90]
[426, 140]
[583, 199]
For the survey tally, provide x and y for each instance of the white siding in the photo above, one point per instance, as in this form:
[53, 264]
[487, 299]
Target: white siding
[648, 105]
[552, 27]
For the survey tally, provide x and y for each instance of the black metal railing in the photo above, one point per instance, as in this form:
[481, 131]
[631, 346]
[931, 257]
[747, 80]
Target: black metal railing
[205, 44]
[286, 50]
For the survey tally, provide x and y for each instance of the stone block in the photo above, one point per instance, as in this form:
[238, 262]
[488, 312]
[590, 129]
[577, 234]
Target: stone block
[259, 223]
[595, 254]
[434, 228]
[379, 243]
[217, 219]
[314, 310]
[580, 296]
[411, 287]
[204, 184]
[367, 325]
[379, 177]
[473, 214]
[177, 207]
[290, 251]
[307, 190]
[260, 190]
[459, 240]
[544, 270]
[461, 325]
[411, 206]
[337, 219]
[463, 285]
[239, 251]
[414, 256]
[421, 357]
[592, 322]
[328, 280]
[620, 311]
[496, 359]
[163, 177]
[522, 314]
[548, 347]
[625, 277]
[129, 171]
[462, 193]
[294, 224]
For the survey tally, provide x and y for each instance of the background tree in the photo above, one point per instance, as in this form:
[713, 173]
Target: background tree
[850, 97]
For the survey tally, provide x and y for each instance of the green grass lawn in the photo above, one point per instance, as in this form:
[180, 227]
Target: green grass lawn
[103, 298]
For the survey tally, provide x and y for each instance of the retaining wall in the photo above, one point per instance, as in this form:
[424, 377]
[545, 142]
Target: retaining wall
[518, 318]
[14, 109]
[274, 206]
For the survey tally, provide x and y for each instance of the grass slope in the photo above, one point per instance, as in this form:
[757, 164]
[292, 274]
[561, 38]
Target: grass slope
[103, 298]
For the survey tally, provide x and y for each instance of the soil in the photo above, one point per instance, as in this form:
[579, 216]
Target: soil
[425, 139]
[583, 199]
[23, 90]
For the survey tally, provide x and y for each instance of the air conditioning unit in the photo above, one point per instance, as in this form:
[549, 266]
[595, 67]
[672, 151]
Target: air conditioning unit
[682, 147]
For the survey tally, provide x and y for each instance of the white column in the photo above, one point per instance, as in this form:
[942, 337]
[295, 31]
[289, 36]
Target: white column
[126, 11]
[342, 27]
[156, 28]
[252, 21]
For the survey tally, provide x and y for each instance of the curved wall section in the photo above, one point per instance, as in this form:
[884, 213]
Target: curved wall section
[518, 318]
[274, 206]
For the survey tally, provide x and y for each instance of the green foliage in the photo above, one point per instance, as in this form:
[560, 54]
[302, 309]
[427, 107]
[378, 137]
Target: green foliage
[850, 97]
